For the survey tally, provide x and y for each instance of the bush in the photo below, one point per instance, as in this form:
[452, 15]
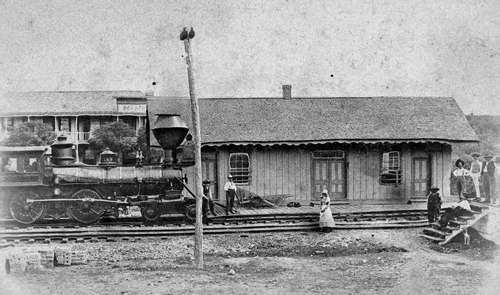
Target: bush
[117, 136]
[30, 134]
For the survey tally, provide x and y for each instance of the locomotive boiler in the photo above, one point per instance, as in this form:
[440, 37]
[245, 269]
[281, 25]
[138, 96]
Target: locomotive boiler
[85, 193]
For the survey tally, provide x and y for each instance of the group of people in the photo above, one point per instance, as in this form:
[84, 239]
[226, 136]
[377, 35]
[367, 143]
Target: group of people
[326, 222]
[231, 194]
[481, 172]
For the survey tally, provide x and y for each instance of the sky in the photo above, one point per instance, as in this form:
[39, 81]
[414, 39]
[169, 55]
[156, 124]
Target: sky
[251, 48]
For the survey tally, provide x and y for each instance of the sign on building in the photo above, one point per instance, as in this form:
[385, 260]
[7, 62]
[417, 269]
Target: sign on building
[132, 108]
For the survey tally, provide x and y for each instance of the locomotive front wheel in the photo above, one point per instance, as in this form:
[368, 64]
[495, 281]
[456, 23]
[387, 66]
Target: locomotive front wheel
[190, 213]
[24, 212]
[151, 213]
[85, 212]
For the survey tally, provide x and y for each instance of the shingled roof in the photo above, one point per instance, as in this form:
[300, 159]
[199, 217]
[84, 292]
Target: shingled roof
[269, 121]
[49, 103]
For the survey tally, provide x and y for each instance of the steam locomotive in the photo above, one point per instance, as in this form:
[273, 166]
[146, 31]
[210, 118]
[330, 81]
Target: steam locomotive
[85, 193]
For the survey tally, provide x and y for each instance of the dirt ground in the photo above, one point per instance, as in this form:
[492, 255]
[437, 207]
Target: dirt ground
[340, 262]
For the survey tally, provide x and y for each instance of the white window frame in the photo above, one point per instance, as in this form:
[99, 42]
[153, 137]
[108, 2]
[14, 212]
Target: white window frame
[391, 165]
[240, 175]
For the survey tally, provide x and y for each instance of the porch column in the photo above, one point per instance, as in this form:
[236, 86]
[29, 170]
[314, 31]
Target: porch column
[77, 139]
[138, 125]
[55, 125]
[77, 129]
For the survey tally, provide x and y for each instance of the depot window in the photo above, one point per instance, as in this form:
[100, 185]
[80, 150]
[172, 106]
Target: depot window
[390, 172]
[239, 167]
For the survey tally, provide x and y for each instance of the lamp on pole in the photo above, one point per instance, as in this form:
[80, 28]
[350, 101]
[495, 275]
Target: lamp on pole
[186, 36]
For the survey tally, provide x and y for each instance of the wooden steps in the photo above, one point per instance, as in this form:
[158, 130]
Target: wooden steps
[438, 234]
[435, 232]
[432, 238]
[457, 223]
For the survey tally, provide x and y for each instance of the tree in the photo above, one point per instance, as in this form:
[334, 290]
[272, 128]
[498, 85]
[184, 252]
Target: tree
[487, 129]
[151, 155]
[117, 136]
[30, 134]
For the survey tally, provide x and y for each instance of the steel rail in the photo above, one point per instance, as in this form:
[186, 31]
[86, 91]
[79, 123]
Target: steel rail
[91, 234]
[377, 216]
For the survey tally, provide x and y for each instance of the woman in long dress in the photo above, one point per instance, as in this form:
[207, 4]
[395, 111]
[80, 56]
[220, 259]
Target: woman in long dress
[326, 222]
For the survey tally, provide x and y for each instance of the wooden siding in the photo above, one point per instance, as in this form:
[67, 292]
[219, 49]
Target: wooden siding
[288, 170]
[441, 171]
[363, 175]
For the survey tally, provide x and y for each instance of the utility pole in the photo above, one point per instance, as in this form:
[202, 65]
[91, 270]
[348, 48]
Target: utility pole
[186, 36]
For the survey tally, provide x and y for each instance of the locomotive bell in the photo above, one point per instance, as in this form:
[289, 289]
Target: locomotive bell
[169, 130]
[62, 152]
[108, 158]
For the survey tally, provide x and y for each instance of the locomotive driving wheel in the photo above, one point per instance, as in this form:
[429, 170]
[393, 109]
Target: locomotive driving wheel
[151, 213]
[24, 212]
[85, 211]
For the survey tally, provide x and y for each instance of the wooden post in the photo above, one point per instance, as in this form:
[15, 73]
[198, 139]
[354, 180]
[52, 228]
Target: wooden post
[198, 231]
[77, 139]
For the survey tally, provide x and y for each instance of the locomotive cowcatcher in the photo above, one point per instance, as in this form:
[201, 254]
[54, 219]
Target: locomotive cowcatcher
[87, 192]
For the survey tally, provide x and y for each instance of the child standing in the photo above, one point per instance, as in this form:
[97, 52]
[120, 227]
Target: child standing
[433, 204]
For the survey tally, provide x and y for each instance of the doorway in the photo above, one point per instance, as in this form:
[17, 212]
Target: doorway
[329, 173]
[421, 176]
[209, 172]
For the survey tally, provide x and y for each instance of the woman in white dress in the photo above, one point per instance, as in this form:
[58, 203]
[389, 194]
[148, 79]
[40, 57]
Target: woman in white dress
[326, 222]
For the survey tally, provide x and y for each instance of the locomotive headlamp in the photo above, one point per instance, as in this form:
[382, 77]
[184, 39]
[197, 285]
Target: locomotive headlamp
[57, 191]
[108, 159]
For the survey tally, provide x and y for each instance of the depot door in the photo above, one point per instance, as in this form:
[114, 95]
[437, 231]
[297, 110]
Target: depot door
[329, 174]
[209, 172]
[421, 176]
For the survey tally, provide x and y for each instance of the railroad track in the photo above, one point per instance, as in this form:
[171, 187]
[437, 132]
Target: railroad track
[219, 225]
[172, 220]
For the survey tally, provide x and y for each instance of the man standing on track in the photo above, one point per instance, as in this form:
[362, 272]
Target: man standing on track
[208, 202]
[230, 189]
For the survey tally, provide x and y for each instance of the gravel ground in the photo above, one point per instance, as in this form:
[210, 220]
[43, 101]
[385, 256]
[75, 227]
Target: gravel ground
[340, 262]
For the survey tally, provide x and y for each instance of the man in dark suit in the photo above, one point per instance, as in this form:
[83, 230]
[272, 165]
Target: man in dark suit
[433, 204]
[488, 174]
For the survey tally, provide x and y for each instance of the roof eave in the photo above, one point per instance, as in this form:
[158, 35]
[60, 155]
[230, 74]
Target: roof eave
[360, 140]
[342, 141]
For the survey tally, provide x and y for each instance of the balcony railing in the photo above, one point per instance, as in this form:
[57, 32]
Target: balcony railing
[75, 136]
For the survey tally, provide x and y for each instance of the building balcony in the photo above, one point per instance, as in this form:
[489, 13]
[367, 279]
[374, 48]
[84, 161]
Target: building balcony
[75, 136]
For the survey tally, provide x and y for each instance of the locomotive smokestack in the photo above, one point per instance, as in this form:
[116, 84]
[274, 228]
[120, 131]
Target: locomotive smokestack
[169, 130]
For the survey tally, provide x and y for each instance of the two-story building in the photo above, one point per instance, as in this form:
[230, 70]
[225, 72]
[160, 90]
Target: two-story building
[73, 113]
